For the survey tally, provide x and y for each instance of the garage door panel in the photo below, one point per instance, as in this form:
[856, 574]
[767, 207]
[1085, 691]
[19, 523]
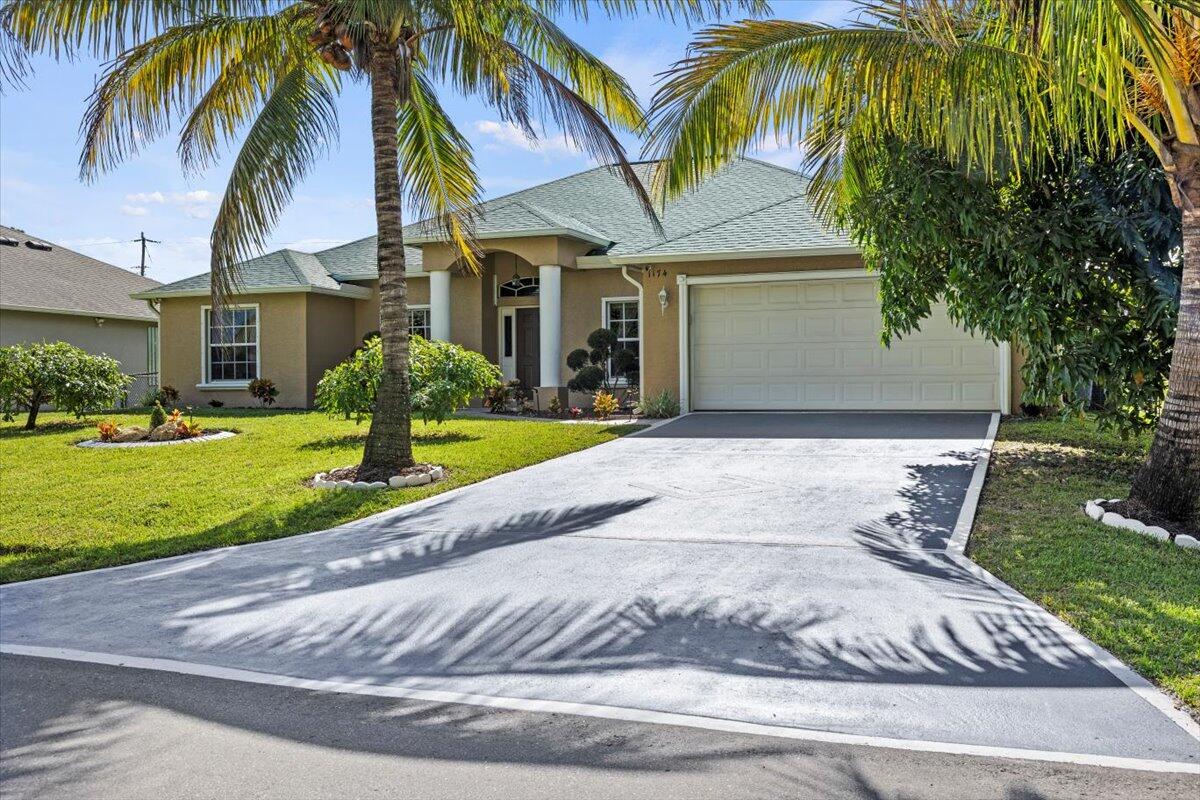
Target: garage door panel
[815, 345]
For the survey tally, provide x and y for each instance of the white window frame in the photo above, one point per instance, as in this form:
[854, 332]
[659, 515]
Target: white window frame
[205, 365]
[421, 307]
[605, 323]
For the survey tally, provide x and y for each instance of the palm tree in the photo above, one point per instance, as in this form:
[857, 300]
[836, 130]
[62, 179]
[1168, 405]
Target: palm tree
[993, 84]
[273, 70]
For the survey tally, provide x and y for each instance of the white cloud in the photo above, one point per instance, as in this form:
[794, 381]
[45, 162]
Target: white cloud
[146, 197]
[196, 204]
[781, 152]
[507, 135]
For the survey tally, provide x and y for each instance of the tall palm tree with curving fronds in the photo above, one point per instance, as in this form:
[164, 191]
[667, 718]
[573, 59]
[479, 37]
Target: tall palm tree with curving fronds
[272, 70]
[996, 85]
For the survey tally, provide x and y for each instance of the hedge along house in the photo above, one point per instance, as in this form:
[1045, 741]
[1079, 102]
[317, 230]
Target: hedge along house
[744, 302]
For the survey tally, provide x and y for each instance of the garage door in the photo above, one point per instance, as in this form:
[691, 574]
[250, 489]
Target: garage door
[814, 344]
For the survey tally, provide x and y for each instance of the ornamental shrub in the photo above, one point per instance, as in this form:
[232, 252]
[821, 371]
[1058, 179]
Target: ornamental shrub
[660, 405]
[263, 390]
[72, 379]
[443, 378]
[589, 365]
[158, 416]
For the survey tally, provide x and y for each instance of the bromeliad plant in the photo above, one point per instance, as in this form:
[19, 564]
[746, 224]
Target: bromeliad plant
[269, 71]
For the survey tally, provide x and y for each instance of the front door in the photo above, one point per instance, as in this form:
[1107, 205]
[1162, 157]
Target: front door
[528, 348]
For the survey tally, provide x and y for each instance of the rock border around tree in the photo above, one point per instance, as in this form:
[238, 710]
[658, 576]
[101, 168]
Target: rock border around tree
[204, 437]
[1095, 510]
[417, 475]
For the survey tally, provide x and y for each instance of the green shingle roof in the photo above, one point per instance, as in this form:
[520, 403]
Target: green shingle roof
[750, 206]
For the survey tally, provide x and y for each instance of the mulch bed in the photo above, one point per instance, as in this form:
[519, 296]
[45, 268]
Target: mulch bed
[1131, 509]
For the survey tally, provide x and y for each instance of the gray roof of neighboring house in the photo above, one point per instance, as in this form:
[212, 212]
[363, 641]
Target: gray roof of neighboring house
[748, 207]
[63, 281]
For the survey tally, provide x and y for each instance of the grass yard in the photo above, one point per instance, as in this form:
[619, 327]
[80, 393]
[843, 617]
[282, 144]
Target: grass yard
[68, 508]
[1137, 597]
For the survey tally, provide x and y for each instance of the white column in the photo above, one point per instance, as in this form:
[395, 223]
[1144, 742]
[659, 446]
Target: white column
[439, 304]
[550, 321]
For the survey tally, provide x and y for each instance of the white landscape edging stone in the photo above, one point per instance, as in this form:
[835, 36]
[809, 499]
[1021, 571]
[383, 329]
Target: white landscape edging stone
[204, 437]
[1114, 520]
[321, 481]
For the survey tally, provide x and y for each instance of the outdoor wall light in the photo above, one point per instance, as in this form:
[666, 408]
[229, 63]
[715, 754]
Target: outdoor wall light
[662, 298]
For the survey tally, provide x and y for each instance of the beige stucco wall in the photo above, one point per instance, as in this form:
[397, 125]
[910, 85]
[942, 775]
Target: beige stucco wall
[366, 312]
[331, 336]
[124, 340]
[283, 344]
[536, 250]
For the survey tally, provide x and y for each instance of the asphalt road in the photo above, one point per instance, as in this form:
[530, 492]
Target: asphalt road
[75, 730]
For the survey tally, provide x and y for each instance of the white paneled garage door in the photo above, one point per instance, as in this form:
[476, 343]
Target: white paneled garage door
[814, 344]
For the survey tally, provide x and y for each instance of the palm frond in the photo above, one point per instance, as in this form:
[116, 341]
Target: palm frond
[438, 173]
[296, 125]
[143, 93]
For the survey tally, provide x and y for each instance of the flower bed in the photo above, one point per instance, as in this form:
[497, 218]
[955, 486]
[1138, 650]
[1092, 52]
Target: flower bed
[211, 436]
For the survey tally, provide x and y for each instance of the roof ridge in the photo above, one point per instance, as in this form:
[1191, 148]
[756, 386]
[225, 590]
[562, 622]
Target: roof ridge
[724, 221]
[297, 270]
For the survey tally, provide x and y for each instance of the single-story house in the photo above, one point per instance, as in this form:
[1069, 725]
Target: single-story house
[743, 301]
[51, 294]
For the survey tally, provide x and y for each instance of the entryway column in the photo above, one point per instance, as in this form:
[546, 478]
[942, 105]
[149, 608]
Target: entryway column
[439, 304]
[550, 323]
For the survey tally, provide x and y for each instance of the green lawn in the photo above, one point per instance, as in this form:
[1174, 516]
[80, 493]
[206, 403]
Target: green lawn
[68, 508]
[1137, 597]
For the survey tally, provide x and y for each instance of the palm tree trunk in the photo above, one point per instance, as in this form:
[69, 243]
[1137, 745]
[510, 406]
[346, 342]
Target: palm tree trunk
[389, 441]
[1169, 481]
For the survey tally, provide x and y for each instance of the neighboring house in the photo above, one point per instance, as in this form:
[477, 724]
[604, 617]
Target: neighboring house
[746, 302]
[51, 294]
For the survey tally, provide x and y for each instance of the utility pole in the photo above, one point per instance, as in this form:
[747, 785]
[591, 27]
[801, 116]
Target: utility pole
[142, 238]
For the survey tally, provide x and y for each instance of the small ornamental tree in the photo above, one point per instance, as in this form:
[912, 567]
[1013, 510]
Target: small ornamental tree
[73, 380]
[589, 365]
[445, 377]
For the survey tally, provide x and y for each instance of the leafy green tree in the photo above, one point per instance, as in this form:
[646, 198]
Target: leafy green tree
[445, 377]
[993, 84]
[272, 69]
[1079, 267]
[71, 379]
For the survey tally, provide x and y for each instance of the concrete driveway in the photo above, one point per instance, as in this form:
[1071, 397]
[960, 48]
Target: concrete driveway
[774, 573]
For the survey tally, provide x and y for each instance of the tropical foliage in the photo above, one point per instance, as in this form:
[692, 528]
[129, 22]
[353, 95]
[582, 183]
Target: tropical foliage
[1080, 266]
[445, 377]
[71, 379]
[659, 405]
[987, 84]
[268, 71]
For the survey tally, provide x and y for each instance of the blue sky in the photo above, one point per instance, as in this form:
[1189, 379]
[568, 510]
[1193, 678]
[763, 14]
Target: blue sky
[39, 146]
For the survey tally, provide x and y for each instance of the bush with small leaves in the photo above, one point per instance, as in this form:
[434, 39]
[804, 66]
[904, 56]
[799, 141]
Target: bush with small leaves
[591, 366]
[444, 377]
[72, 379]
[216, 403]
[263, 390]
[554, 406]
[158, 415]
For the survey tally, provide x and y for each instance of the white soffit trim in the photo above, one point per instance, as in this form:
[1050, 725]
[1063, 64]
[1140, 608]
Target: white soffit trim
[417, 241]
[77, 313]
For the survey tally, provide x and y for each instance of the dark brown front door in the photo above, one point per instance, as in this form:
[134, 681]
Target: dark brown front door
[528, 350]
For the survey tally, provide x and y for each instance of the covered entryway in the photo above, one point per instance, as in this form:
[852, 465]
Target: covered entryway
[813, 344]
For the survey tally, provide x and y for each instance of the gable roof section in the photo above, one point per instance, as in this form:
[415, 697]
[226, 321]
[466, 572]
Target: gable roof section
[748, 208]
[62, 281]
[280, 271]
